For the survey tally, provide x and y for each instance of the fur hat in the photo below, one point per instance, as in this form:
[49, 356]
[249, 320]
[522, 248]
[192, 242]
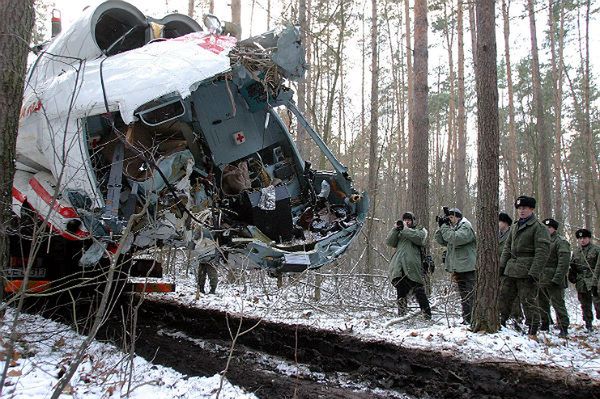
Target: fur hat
[551, 222]
[408, 215]
[581, 233]
[456, 212]
[503, 217]
[524, 200]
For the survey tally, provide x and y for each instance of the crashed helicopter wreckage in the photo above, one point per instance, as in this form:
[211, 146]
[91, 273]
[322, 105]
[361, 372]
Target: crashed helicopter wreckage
[124, 113]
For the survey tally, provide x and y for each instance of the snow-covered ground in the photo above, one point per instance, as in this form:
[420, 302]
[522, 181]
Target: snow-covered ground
[45, 349]
[346, 306]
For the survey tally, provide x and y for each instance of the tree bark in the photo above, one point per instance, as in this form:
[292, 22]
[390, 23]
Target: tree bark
[236, 16]
[191, 8]
[302, 135]
[485, 312]
[409, 74]
[557, 83]
[512, 129]
[373, 136]
[545, 182]
[461, 156]
[419, 162]
[15, 34]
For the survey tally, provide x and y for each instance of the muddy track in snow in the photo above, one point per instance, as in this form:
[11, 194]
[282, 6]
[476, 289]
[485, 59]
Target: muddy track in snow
[375, 364]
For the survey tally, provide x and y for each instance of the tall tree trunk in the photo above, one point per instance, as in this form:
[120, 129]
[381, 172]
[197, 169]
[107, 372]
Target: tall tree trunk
[15, 34]
[590, 142]
[373, 141]
[191, 8]
[419, 162]
[473, 28]
[409, 74]
[302, 137]
[557, 83]
[450, 153]
[461, 156]
[236, 15]
[512, 129]
[485, 313]
[545, 182]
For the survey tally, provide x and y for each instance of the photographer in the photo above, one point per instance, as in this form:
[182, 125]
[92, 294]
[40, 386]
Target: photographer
[456, 233]
[405, 271]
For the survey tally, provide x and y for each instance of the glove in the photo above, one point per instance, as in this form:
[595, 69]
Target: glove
[595, 291]
[572, 276]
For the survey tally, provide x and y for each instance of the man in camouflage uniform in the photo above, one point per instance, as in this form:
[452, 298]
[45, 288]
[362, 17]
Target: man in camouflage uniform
[504, 223]
[523, 259]
[553, 280]
[457, 234]
[406, 271]
[581, 273]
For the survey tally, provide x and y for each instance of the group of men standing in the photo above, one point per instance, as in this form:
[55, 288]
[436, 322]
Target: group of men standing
[535, 264]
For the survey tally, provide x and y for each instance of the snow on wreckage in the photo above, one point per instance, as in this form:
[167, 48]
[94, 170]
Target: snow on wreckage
[125, 114]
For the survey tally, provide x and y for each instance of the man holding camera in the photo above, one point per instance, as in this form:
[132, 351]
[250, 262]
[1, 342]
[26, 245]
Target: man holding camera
[456, 233]
[584, 262]
[406, 272]
[523, 259]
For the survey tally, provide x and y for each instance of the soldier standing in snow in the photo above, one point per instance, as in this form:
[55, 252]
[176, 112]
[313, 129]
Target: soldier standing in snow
[405, 271]
[456, 233]
[504, 223]
[552, 280]
[581, 273]
[523, 258]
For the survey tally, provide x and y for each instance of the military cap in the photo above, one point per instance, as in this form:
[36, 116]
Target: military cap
[551, 222]
[581, 233]
[524, 200]
[456, 212]
[504, 217]
[408, 215]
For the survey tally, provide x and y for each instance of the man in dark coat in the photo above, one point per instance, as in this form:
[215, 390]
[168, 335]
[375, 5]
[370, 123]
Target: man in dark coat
[406, 271]
[553, 280]
[581, 273]
[523, 258]
[504, 223]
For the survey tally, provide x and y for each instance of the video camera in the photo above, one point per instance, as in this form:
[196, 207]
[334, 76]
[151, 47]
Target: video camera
[399, 224]
[443, 219]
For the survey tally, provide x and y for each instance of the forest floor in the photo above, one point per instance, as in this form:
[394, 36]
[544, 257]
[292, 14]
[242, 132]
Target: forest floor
[347, 345]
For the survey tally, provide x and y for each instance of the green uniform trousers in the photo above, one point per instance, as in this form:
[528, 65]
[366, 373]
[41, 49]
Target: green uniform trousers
[205, 269]
[526, 291]
[552, 294]
[586, 300]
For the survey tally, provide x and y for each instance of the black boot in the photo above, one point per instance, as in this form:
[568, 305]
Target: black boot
[588, 326]
[564, 332]
[545, 326]
[423, 302]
